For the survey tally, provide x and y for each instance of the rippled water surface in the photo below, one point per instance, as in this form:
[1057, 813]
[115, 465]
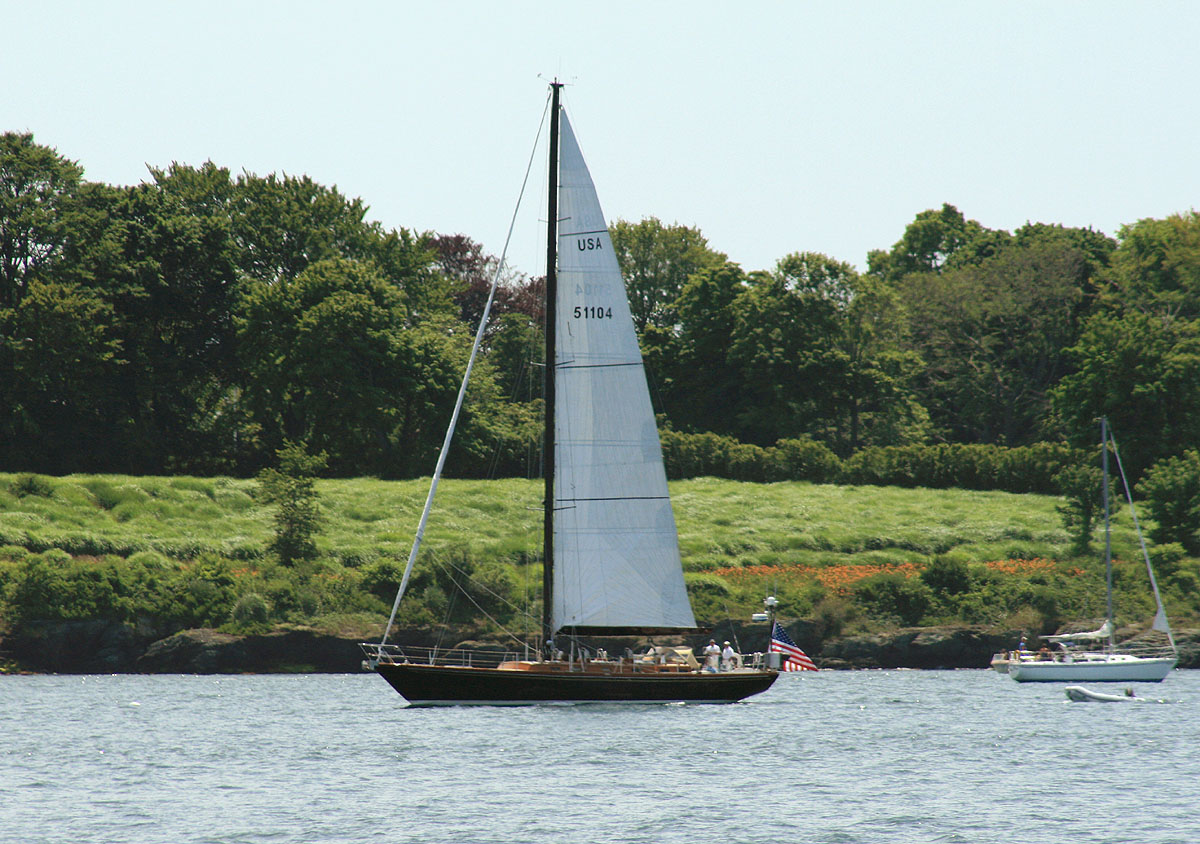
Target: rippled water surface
[871, 756]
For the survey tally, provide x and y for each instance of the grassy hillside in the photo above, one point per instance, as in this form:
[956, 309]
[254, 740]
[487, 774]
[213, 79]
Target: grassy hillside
[184, 551]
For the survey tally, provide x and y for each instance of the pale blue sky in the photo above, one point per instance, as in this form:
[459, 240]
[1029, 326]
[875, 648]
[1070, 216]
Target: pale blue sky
[774, 127]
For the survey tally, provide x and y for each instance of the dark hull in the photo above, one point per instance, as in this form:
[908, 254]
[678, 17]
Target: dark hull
[435, 685]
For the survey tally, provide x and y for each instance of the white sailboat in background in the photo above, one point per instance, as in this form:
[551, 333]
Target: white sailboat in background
[1079, 658]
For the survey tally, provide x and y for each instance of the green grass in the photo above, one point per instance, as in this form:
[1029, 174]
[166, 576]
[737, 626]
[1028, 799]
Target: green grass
[720, 522]
[813, 524]
[722, 525]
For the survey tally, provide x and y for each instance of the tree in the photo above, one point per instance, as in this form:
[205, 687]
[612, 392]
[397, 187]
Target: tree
[1156, 267]
[284, 224]
[872, 399]
[656, 261]
[292, 489]
[37, 189]
[329, 361]
[1082, 488]
[471, 272]
[174, 287]
[784, 344]
[1143, 373]
[993, 333]
[57, 397]
[700, 390]
[930, 241]
[1171, 489]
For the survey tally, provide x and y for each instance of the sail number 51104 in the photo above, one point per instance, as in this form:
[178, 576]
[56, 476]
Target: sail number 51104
[592, 312]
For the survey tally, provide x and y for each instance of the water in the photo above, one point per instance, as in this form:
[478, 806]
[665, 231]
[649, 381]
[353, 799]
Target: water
[870, 756]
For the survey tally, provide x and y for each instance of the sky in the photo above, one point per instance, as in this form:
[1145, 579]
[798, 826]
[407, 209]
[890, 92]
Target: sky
[773, 127]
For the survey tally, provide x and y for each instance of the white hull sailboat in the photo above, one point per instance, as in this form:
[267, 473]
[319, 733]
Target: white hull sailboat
[1078, 658]
[1098, 667]
[612, 563]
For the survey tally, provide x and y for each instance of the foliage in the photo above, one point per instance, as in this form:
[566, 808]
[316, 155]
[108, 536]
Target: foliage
[37, 193]
[251, 612]
[196, 550]
[947, 575]
[1082, 488]
[656, 261]
[1157, 266]
[1142, 372]
[709, 596]
[1171, 489]
[292, 489]
[1023, 469]
[802, 459]
[991, 328]
[31, 484]
[697, 455]
[895, 596]
[197, 320]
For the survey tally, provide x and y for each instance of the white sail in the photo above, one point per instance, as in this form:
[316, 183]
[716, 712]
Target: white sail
[616, 552]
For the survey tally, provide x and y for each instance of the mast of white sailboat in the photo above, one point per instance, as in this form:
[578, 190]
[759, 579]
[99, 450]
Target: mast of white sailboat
[551, 337]
[1107, 533]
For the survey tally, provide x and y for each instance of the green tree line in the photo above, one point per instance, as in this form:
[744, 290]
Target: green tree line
[200, 320]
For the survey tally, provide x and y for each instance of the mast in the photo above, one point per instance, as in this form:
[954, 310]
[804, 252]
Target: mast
[1107, 531]
[551, 336]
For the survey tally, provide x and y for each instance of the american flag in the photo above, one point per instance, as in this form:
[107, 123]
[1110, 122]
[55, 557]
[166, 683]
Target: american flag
[794, 659]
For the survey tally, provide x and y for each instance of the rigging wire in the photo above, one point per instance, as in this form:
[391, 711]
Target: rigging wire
[445, 566]
[462, 391]
[1160, 616]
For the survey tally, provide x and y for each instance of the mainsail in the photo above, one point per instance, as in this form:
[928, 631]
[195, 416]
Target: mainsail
[616, 552]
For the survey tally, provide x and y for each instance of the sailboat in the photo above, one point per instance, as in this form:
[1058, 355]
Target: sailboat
[611, 553]
[1078, 657]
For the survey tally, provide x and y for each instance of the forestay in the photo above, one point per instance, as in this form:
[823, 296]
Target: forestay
[616, 552]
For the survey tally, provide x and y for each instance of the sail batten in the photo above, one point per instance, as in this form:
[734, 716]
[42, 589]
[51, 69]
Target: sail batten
[616, 551]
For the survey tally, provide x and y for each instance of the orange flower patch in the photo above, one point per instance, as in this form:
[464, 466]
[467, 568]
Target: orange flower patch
[837, 578]
[1020, 566]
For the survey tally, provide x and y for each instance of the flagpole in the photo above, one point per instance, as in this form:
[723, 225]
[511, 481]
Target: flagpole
[770, 603]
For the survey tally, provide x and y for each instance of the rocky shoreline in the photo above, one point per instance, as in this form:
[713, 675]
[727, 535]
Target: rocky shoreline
[105, 647]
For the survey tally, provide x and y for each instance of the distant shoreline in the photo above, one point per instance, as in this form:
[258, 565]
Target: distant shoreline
[102, 647]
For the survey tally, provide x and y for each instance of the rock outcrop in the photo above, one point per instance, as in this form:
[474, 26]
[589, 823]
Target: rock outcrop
[104, 647]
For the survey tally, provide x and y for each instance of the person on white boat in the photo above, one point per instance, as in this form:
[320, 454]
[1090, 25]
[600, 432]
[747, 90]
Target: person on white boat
[728, 657]
[712, 653]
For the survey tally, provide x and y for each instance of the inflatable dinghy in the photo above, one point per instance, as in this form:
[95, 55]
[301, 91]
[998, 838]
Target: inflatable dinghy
[1080, 694]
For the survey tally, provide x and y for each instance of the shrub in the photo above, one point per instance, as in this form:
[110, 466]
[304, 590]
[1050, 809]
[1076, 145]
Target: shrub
[894, 596]
[250, 611]
[947, 576]
[709, 594]
[150, 560]
[802, 459]
[832, 614]
[942, 466]
[15, 553]
[30, 484]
